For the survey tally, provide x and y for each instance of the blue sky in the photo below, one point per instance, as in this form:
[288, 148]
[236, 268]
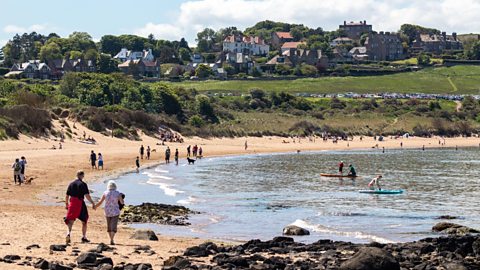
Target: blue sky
[173, 19]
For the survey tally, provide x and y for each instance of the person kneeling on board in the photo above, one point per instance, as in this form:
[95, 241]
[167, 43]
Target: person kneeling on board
[375, 181]
[352, 172]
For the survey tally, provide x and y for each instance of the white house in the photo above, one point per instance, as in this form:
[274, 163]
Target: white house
[125, 55]
[246, 45]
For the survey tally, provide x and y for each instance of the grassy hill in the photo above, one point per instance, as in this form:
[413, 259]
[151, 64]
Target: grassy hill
[453, 80]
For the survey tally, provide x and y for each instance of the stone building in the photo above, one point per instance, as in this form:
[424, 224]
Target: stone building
[384, 46]
[354, 30]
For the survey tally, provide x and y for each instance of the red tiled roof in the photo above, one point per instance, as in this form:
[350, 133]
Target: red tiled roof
[294, 45]
[285, 35]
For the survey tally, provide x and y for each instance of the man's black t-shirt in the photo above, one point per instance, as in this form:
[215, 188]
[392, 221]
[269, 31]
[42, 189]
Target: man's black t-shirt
[78, 189]
[93, 157]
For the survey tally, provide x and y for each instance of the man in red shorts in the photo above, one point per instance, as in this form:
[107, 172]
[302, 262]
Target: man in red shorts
[76, 207]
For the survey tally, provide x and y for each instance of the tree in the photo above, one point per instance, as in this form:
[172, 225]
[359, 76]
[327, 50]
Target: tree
[205, 108]
[203, 71]
[184, 54]
[423, 59]
[110, 44]
[296, 34]
[412, 31]
[91, 54]
[283, 70]
[472, 52]
[183, 44]
[75, 55]
[50, 51]
[206, 39]
[106, 64]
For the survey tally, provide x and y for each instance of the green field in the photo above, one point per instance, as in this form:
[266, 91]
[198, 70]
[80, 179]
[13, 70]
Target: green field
[443, 80]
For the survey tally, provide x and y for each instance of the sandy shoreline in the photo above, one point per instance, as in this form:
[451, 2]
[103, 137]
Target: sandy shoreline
[28, 217]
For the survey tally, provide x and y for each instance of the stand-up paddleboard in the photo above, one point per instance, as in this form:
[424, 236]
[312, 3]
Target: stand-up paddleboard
[383, 191]
[337, 175]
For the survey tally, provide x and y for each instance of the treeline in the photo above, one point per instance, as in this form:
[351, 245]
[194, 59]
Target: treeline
[97, 100]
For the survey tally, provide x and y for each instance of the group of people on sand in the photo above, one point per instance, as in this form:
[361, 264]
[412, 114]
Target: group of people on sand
[19, 170]
[96, 160]
[194, 151]
[76, 194]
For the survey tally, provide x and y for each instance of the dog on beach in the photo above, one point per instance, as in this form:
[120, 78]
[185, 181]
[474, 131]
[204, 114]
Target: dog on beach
[154, 150]
[191, 161]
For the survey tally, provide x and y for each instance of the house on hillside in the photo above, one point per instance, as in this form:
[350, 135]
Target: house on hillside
[384, 46]
[241, 62]
[358, 53]
[33, 69]
[141, 68]
[437, 44]
[354, 30]
[287, 46]
[125, 55]
[246, 45]
[341, 41]
[278, 38]
[196, 58]
[59, 67]
[295, 57]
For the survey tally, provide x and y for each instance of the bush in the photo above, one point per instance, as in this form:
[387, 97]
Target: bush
[196, 121]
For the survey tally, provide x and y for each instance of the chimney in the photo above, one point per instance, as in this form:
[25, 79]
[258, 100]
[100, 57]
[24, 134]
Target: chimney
[365, 22]
[344, 22]
[444, 35]
[454, 35]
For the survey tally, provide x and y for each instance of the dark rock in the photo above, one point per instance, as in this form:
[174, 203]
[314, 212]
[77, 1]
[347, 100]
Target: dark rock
[143, 248]
[455, 266]
[295, 230]
[452, 228]
[58, 247]
[371, 258]
[476, 247]
[283, 239]
[447, 217]
[56, 266]
[105, 267]
[104, 260]
[11, 258]
[103, 247]
[42, 264]
[237, 261]
[87, 258]
[177, 262]
[32, 246]
[145, 235]
[205, 250]
[156, 213]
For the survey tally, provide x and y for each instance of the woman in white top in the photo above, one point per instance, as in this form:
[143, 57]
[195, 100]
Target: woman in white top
[112, 199]
[375, 181]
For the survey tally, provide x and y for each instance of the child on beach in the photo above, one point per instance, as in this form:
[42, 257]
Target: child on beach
[100, 161]
[137, 164]
[17, 168]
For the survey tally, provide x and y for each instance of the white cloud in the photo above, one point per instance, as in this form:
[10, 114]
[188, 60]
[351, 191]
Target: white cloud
[15, 29]
[448, 15]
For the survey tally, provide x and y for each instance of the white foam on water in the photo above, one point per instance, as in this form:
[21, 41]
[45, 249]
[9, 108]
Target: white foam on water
[167, 189]
[326, 230]
[158, 169]
[156, 175]
[190, 200]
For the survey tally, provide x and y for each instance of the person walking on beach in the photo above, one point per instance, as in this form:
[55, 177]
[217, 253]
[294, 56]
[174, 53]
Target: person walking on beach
[77, 191]
[142, 151]
[148, 152]
[340, 167]
[246, 145]
[188, 150]
[195, 150]
[137, 164]
[23, 163]
[100, 161]
[167, 155]
[17, 168]
[93, 160]
[176, 156]
[112, 199]
[200, 152]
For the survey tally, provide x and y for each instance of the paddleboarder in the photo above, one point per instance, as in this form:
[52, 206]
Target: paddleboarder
[340, 167]
[375, 181]
[352, 171]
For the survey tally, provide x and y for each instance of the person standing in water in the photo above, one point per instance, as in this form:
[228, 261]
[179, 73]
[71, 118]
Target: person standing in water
[176, 156]
[352, 172]
[167, 155]
[137, 164]
[375, 182]
[112, 199]
[340, 167]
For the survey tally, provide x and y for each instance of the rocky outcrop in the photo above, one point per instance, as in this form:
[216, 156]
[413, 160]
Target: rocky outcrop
[295, 230]
[156, 213]
[452, 228]
[147, 235]
[450, 252]
[371, 258]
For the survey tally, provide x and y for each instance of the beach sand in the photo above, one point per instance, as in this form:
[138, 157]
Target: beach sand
[33, 214]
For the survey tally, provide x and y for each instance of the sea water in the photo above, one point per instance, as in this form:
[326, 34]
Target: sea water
[256, 196]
